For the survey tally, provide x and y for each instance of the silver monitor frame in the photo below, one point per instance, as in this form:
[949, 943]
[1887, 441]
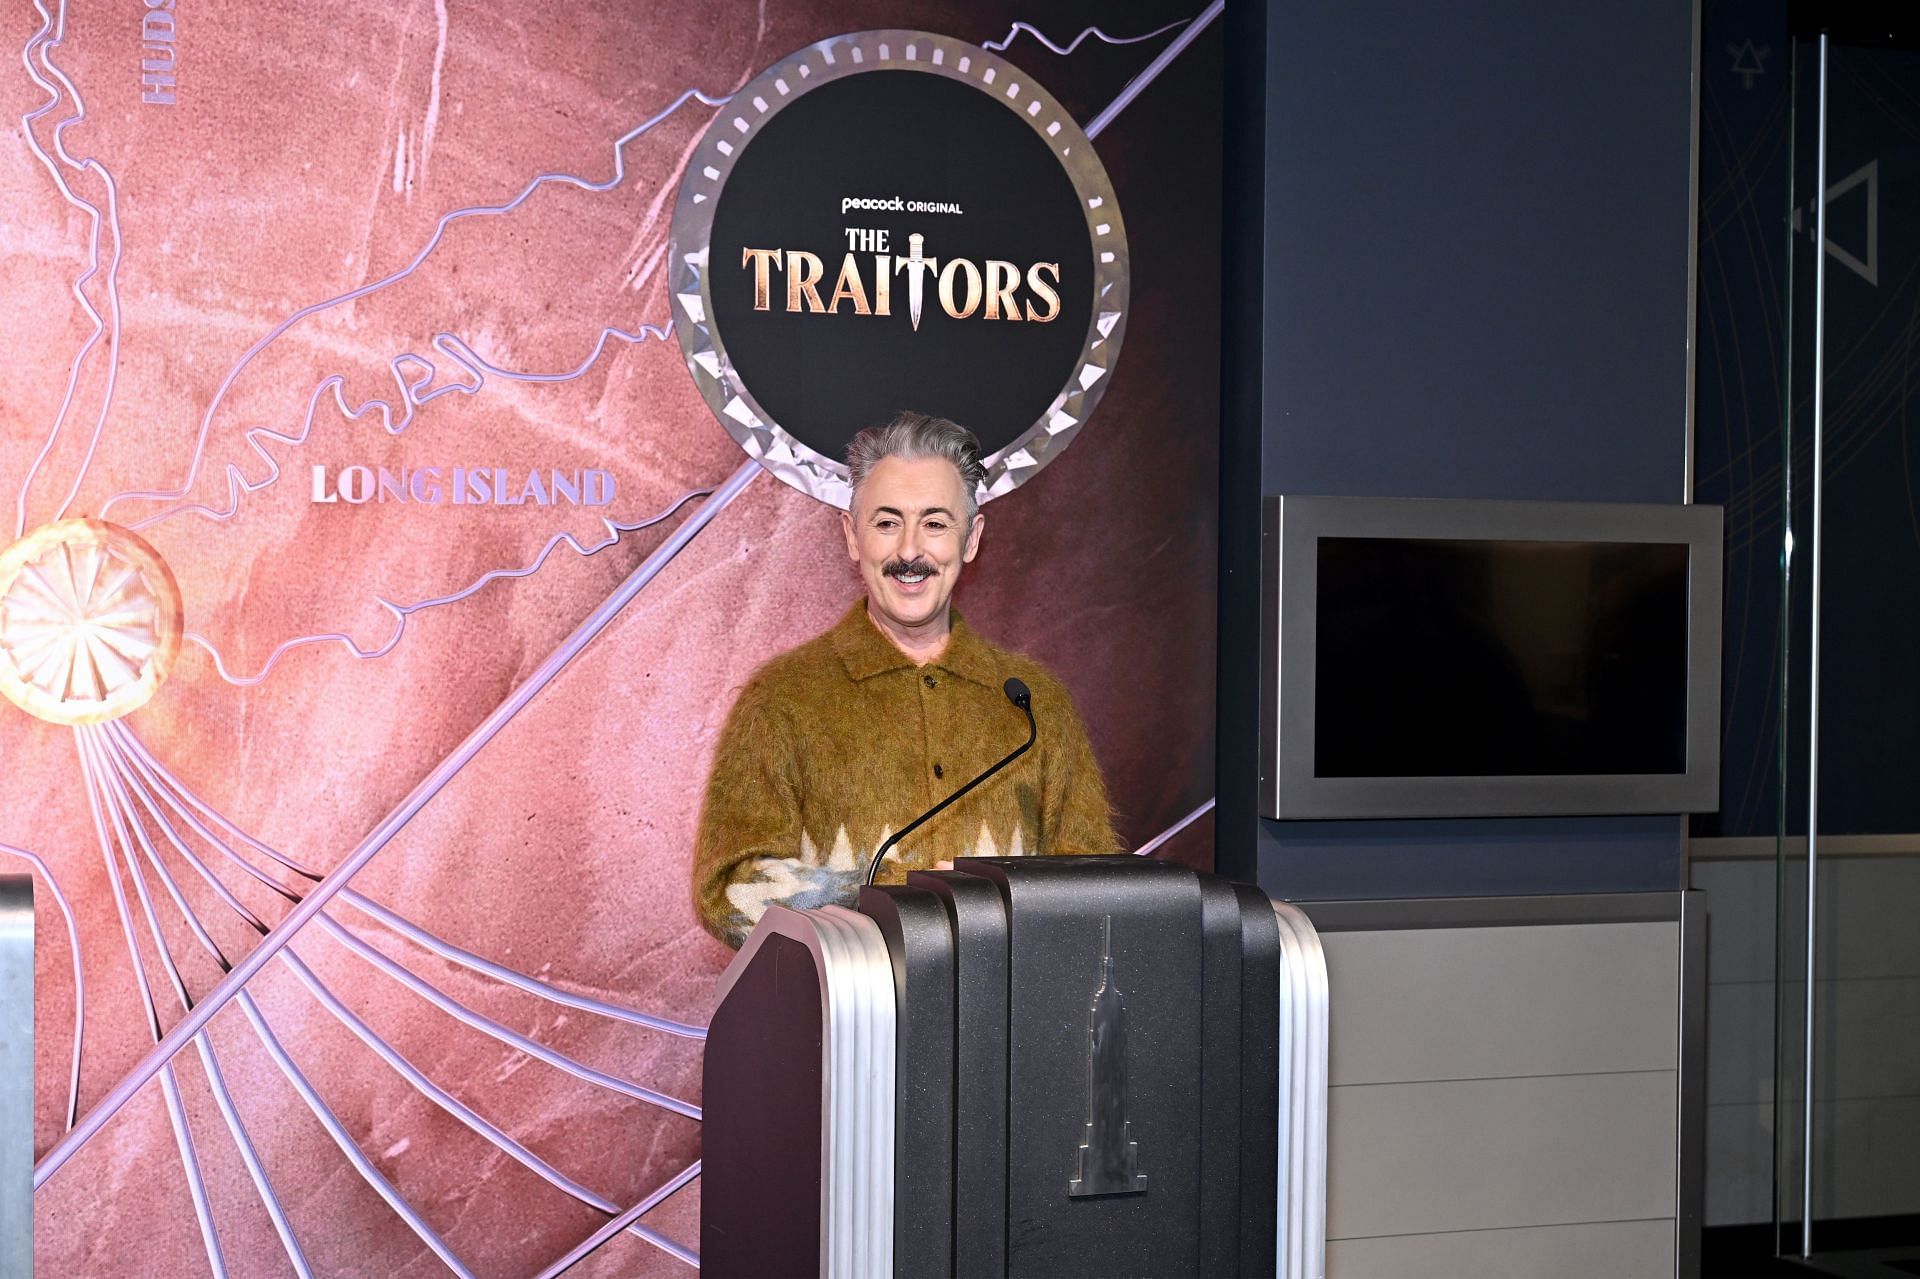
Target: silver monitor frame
[1292, 528]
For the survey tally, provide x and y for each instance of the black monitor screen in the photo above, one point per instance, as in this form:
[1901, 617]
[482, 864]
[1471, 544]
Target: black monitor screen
[1493, 658]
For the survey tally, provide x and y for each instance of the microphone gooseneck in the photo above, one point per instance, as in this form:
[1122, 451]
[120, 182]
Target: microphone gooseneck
[1017, 693]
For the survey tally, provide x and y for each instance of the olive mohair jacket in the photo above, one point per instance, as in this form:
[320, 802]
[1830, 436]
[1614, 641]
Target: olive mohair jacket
[836, 744]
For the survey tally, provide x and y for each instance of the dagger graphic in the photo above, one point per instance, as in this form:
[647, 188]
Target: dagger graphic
[917, 265]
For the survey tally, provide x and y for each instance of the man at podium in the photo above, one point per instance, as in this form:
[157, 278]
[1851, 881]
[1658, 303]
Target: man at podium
[835, 745]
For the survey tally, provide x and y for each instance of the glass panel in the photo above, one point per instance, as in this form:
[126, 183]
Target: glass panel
[1795, 623]
[1851, 587]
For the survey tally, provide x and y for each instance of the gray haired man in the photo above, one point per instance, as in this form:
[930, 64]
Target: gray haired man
[836, 744]
[914, 520]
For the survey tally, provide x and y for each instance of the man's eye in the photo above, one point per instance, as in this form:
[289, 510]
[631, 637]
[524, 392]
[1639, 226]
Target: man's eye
[886, 525]
[936, 526]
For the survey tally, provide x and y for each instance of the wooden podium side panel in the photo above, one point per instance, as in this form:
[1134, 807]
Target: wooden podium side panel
[1259, 1143]
[919, 940]
[760, 1198]
[1219, 1085]
[980, 1128]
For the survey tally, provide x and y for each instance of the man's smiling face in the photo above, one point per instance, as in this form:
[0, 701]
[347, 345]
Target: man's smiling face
[910, 534]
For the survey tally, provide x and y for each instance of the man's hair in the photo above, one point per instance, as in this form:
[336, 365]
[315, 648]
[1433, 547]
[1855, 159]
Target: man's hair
[912, 435]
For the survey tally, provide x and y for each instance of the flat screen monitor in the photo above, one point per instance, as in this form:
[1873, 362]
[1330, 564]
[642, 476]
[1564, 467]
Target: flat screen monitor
[1451, 658]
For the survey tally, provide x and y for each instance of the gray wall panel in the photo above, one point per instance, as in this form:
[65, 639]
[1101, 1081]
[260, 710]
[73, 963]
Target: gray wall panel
[1875, 1175]
[1739, 1164]
[1602, 1250]
[1866, 915]
[1740, 914]
[1865, 1162]
[1471, 1003]
[1739, 1043]
[1486, 1154]
[1868, 1035]
[1867, 905]
[1463, 299]
[1868, 1038]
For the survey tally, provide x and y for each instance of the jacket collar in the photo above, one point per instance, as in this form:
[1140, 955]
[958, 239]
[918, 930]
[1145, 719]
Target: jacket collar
[865, 652]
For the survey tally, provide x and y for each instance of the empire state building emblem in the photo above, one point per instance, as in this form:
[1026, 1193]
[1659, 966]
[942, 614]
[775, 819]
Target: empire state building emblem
[1109, 1157]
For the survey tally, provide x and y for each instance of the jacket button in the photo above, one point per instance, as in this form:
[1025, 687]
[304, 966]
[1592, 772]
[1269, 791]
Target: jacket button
[928, 680]
[938, 771]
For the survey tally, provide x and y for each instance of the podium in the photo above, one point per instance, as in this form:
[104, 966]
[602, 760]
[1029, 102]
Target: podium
[1048, 1066]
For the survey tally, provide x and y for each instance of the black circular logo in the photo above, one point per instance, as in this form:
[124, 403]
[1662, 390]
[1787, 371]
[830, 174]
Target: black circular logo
[895, 220]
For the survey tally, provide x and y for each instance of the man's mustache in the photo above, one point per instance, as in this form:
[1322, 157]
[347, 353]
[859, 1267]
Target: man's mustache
[903, 568]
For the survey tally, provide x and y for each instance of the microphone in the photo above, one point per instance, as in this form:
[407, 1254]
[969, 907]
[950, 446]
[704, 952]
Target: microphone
[1017, 693]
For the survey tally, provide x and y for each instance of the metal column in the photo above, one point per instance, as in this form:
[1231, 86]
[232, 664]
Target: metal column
[16, 1077]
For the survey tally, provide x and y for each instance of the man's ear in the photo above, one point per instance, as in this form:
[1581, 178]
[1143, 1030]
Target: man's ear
[973, 538]
[853, 543]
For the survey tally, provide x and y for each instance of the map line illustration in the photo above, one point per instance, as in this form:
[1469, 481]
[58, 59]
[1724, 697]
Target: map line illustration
[111, 757]
[373, 286]
[383, 833]
[401, 612]
[53, 30]
[1000, 45]
[414, 394]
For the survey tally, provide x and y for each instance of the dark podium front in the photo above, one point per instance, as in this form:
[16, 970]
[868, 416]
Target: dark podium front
[1050, 1067]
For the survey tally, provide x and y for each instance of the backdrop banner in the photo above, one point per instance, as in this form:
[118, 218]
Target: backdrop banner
[420, 422]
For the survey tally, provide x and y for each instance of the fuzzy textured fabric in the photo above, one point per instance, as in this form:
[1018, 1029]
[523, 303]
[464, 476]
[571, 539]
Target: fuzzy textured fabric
[838, 743]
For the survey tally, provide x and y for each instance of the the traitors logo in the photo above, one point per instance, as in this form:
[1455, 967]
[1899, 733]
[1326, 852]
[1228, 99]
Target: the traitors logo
[891, 220]
[962, 283]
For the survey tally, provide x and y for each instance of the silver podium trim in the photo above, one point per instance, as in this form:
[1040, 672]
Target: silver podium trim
[858, 1050]
[1304, 1002]
[16, 1077]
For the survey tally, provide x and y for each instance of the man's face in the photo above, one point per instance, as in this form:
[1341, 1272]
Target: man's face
[908, 532]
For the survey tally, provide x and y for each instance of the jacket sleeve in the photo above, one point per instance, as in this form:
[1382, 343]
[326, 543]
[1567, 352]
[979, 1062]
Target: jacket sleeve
[1076, 817]
[752, 850]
